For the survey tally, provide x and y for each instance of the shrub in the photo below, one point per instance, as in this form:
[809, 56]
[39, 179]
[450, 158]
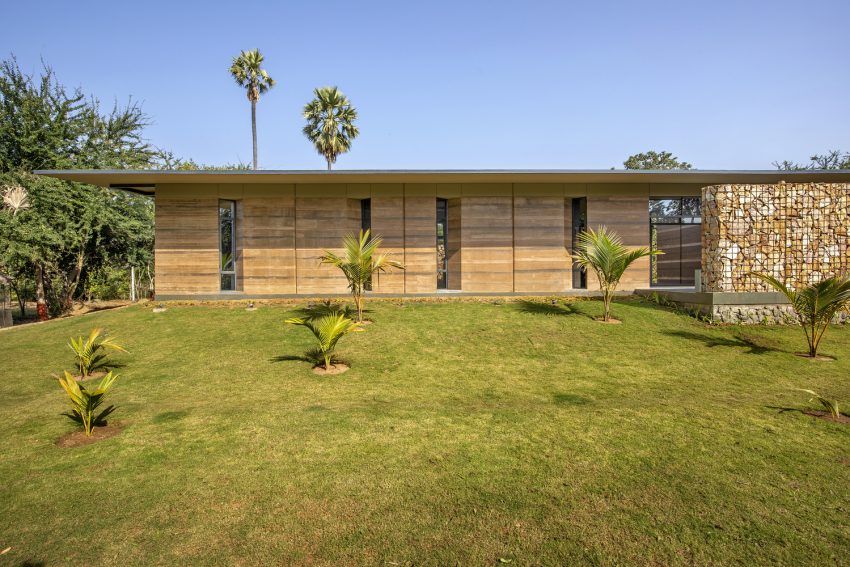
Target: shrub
[108, 283]
[84, 403]
[328, 330]
[814, 305]
[89, 353]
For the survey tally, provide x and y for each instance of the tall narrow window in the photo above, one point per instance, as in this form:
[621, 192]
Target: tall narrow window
[442, 235]
[227, 244]
[579, 225]
[365, 214]
[366, 224]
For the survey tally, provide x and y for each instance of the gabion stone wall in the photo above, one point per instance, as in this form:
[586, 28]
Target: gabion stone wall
[798, 232]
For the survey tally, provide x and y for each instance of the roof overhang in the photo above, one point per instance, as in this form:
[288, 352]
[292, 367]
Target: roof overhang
[145, 181]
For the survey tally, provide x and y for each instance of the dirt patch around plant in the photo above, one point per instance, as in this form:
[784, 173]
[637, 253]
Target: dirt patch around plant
[93, 376]
[820, 357]
[843, 419]
[337, 368]
[79, 438]
[610, 321]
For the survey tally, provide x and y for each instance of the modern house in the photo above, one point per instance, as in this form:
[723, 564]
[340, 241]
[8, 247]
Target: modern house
[230, 234]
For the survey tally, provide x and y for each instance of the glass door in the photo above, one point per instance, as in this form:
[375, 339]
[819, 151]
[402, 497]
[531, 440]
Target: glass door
[675, 229]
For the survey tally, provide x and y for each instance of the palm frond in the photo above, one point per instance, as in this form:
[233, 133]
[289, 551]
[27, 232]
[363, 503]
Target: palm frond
[830, 406]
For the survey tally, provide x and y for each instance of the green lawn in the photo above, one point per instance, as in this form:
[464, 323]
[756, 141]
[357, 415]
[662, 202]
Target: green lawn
[464, 433]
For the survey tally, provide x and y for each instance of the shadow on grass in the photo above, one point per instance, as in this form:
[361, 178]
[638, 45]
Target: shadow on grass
[738, 340]
[292, 357]
[570, 399]
[313, 356]
[316, 310]
[541, 308]
[781, 409]
[169, 416]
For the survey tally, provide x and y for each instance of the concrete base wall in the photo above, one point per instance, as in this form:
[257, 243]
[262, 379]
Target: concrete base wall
[742, 308]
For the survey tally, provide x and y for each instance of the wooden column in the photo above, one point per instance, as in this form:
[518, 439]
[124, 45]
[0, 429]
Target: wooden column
[388, 222]
[541, 263]
[628, 216]
[186, 232]
[487, 242]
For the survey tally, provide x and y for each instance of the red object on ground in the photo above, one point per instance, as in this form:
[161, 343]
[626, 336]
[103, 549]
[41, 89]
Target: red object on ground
[41, 310]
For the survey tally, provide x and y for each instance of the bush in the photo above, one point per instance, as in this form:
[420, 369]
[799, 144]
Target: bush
[108, 283]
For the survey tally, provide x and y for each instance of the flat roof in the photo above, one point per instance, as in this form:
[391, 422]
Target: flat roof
[145, 181]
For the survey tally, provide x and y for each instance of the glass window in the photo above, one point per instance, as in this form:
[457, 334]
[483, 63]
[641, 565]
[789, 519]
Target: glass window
[365, 214]
[227, 244]
[674, 228]
[442, 235]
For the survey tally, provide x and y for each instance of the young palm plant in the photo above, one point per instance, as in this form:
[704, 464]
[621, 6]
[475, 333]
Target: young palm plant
[830, 406]
[814, 305]
[85, 403]
[602, 251]
[246, 70]
[89, 352]
[330, 123]
[328, 330]
[359, 262]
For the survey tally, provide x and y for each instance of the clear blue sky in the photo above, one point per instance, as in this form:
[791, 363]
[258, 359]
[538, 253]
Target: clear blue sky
[722, 84]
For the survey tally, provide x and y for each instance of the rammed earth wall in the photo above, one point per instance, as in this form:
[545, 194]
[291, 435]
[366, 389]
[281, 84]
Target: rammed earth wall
[797, 232]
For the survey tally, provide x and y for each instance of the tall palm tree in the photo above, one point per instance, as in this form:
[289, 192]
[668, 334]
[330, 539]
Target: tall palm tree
[330, 123]
[247, 73]
[603, 252]
[359, 262]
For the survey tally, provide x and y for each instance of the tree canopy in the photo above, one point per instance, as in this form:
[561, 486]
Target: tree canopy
[330, 123]
[655, 160]
[70, 231]
[832, 159]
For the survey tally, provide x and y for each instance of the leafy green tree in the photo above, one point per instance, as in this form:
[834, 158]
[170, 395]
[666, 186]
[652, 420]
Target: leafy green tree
[832, 159]
[603, 252]
[655, 160]
[246, 69]
[330, 123]
[815, 305]
[191, 165]
[69, 228]
[359, 262]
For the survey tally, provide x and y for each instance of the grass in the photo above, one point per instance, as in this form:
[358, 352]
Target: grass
[465, 433]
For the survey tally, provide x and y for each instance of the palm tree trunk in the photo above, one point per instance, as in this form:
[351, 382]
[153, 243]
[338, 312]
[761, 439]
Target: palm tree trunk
[606, 304]
[254, 129]
[40, 302]
[329, 163]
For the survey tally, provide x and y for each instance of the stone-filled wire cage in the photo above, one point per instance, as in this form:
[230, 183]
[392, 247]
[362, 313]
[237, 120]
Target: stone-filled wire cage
[797, 232]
